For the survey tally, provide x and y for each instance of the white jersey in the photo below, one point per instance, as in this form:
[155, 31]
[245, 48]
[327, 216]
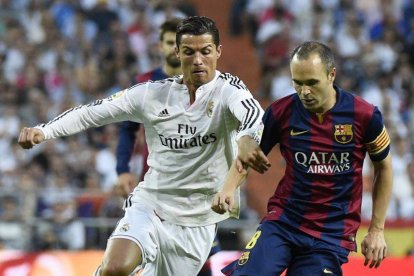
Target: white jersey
[191, 146]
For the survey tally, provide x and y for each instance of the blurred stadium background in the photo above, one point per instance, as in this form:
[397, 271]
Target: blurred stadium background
[59, 201]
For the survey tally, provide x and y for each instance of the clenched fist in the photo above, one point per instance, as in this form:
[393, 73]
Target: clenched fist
[30, 136]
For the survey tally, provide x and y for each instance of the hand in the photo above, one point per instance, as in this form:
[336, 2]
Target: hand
[30, 136]
[128, 182]
[374, 248]
[223, 201]
[251, 155]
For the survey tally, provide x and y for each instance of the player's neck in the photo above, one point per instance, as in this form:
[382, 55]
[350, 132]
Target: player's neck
[171, 71]
[329, 104]
[332, 99]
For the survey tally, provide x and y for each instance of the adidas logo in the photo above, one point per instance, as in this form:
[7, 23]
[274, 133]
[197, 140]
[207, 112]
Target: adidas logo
[163, 113]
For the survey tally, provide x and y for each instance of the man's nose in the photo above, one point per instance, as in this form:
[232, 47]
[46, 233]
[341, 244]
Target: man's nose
[305, 90]
[198, 59]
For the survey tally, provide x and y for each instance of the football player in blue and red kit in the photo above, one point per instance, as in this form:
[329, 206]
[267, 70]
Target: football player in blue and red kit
[324, 133]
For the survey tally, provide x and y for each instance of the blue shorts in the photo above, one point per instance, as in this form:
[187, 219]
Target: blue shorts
[276, 246]
[216, 247]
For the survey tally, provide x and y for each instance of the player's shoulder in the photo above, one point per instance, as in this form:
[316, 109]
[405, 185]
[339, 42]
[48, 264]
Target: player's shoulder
[360, 106]
[155, 74]
[231, 81]
[283, 103]
[144, 77]
[151, 86]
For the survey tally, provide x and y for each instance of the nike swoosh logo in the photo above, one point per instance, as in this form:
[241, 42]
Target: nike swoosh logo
[295, 133]
[326, 271]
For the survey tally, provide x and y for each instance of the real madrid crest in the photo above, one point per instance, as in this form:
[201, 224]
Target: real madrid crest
[116, 95]
[124, 228]
[343, 133]
[244, 258]
[210, 107]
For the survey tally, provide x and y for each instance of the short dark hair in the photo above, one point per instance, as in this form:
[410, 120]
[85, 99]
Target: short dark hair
[198, 25]
[304, 50]
[169, 26]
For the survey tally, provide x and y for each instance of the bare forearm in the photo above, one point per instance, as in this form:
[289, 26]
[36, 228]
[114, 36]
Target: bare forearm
[381, 193]
[234, 178]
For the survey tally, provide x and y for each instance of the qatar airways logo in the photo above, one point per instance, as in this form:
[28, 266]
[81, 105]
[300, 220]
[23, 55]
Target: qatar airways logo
[324, 162]
[182, 143]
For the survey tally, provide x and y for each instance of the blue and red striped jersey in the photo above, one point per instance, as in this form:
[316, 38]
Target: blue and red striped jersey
[321, 190]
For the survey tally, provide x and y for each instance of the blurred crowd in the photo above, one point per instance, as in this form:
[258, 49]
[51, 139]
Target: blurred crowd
[58, 54]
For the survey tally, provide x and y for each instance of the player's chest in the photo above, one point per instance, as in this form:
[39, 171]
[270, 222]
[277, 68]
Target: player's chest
[177, 115]
[322, 132]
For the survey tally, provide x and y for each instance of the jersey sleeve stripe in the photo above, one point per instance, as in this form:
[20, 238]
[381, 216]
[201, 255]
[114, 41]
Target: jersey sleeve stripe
[252, 110]
[246, 116]
[257, 111]
[62, 115]
[251, 116]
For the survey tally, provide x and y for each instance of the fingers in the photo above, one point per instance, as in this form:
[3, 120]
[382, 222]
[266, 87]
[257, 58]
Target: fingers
[29, 137]
[368, 256]
[230, 202]
[263, 158]
[127, 187]
[26, 138]
[222, 204]
[240, 167]
[374, 257]
[258, 162]
[377, 257]
[215, 205]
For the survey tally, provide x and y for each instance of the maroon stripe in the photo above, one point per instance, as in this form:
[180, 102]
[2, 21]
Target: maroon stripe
[282, 112]
[353, 220]
[321, 137]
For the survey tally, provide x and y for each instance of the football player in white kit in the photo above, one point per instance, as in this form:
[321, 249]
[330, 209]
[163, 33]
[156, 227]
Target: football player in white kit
[195, 126]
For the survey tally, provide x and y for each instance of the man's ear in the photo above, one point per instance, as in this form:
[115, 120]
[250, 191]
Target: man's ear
[177, 52]
[219, 48]
[332, 75]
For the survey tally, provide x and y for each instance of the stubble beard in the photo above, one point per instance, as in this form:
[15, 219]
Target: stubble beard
[173, 61]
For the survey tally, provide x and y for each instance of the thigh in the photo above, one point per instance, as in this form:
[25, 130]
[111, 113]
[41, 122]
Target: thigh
[268, 253]
[122, 253]
[323, 259]
[139, 227]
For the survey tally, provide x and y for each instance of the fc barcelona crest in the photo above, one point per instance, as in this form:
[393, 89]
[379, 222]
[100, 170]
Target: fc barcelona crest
[244, 258]
[210, 107]
[343, 133]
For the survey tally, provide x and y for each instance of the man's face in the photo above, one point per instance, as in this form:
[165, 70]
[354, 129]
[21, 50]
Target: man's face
[312, 83]
[168, 49]
[198, 55]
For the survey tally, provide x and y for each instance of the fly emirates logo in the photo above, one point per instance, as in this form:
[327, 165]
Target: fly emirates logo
[183, 143]
[324, 162]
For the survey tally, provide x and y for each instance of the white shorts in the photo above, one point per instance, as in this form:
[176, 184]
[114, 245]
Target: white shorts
[168, 249]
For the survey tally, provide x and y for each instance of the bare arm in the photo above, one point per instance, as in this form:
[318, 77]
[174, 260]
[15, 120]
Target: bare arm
[251, 155]
[373, 246]
[224, 200]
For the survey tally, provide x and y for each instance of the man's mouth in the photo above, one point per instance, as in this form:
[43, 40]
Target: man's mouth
[198, 72]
